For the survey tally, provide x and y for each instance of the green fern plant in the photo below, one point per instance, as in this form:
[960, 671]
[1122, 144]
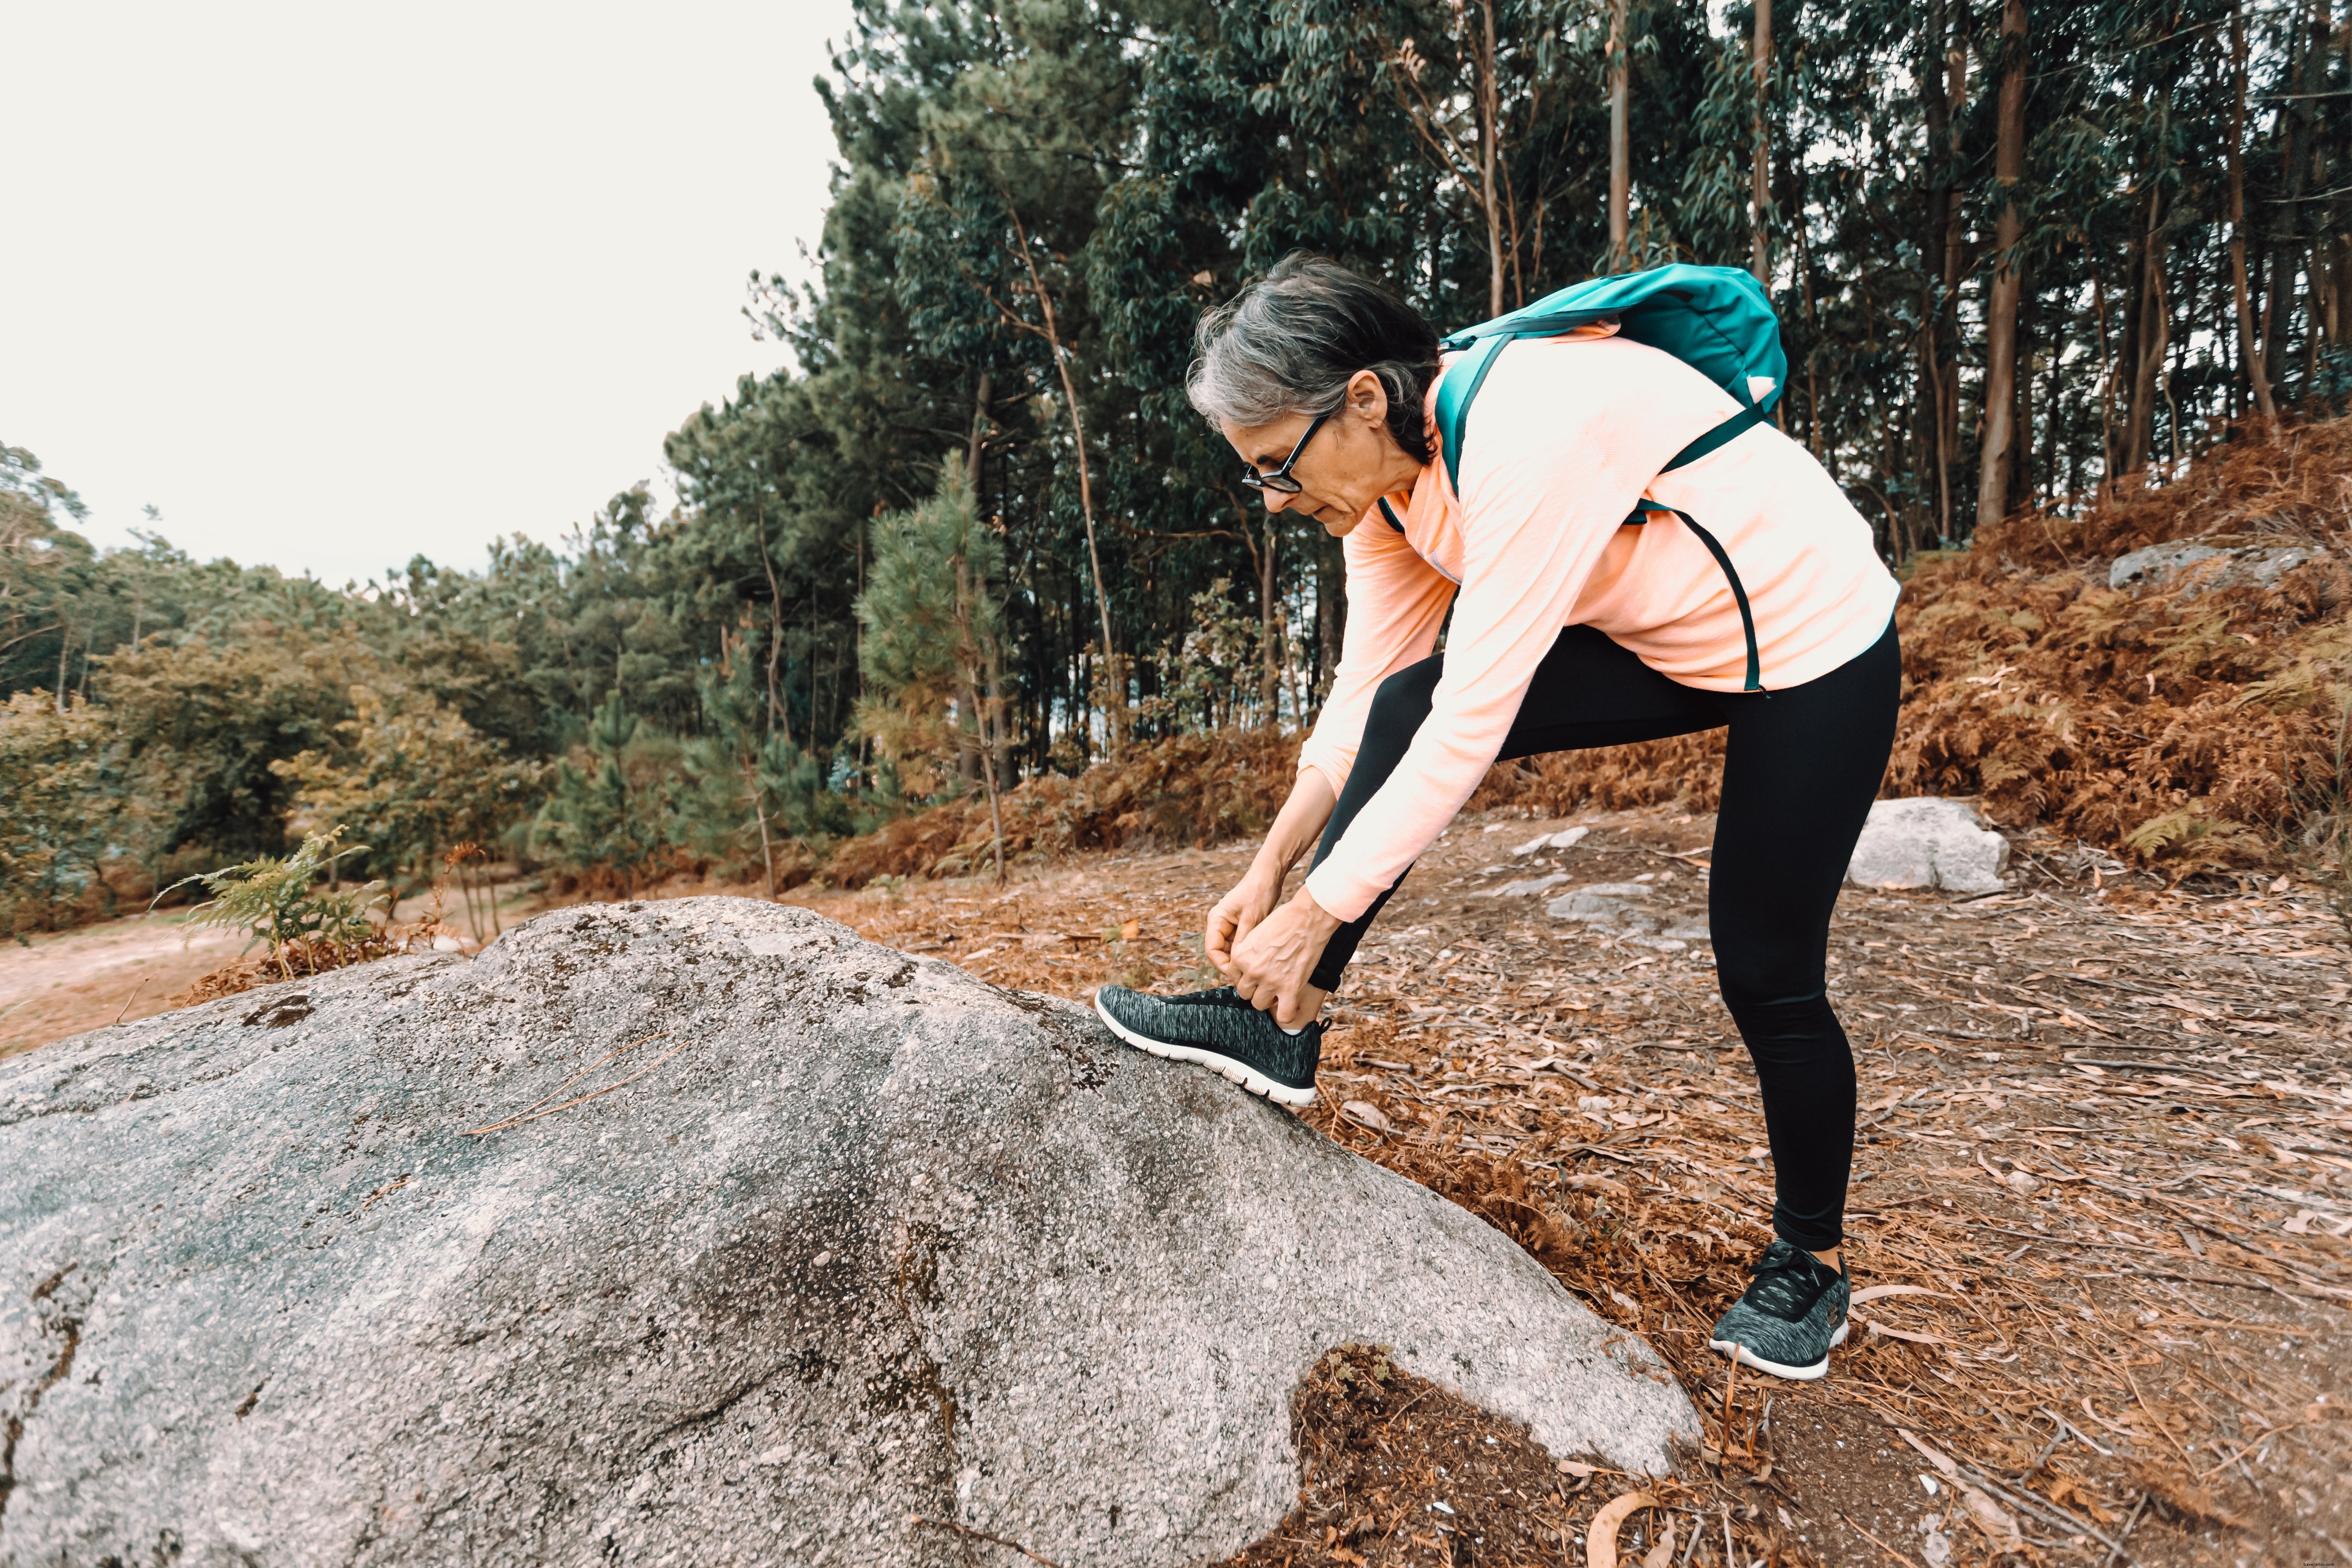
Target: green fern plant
[279, 901]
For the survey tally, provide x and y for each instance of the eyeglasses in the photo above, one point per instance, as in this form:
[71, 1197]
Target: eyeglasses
[1280, 480]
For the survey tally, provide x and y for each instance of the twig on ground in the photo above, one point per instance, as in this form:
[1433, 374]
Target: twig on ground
[982, 1535]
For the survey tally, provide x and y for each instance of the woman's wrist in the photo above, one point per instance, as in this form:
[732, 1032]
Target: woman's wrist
[1271, 868]
[1323, 921]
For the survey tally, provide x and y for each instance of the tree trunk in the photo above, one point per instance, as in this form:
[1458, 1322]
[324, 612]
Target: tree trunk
[760, 814]
[1330, 610]
[2106, 376]
[1118, 714]
[968, 663]
[2147, 377]
[1489, 133]
[2286, 244]
[1270, 632]
[776, 714]
[1937, 110]
[2250, 348]
[1760, 261]
[2001, 311]
[976, 448]
[1621, 161]
[2022, 474]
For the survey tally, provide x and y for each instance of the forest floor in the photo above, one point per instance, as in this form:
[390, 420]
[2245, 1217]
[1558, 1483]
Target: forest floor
[2098, 1231]
[67, 982]
[2101, 1228]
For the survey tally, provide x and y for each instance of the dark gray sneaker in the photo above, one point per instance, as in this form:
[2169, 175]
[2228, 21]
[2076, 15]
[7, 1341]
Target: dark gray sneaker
[1219, 1030]
[1794, 1313]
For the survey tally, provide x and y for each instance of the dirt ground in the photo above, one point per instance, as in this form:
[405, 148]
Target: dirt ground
[2099, 1230]
[70, 982]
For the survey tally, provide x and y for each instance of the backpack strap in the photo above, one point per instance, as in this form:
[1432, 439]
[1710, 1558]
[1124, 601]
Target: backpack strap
[1455, 388]
[1460, 385]
[1755, 681]
[1737, 424]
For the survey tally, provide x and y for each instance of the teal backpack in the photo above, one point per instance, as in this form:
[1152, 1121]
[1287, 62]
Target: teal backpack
[1713, 319]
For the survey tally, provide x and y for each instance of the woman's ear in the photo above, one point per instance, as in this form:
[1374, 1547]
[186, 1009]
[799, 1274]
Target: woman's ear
[1368, 400]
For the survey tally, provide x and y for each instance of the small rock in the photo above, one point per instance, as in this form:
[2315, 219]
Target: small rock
[446, 943]
[2024, 1184]
[1601, 903]
[2145, 568]
[1656, 944]
[1689, 930]
[1928, 842]
[2259, 565]
[1564, 838]
[1525, 886]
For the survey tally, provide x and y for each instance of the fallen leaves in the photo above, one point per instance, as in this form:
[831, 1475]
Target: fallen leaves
[1600, 1536]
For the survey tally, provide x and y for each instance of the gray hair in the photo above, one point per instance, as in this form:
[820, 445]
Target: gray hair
[1290, 341]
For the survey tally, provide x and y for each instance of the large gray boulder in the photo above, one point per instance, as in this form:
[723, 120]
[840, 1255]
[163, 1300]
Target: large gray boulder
[1928, 841]
[865, 1238]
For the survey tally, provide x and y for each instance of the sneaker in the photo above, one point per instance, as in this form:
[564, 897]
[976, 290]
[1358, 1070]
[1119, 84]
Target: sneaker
[1219, 1031]
[1790, 1318]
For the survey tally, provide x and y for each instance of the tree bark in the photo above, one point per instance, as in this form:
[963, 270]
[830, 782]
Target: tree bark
[1935, 399]
[1115, 670]
[2286, 245]
[969, 659]
[1269, 629]
[1956, 259]
[2249, 347]
[2106, 374]
[1760, 260]
[976, 447]
[1621, 161]
[2001, 312]
[776, 712]
[1331, 611]
[1489, 133]
[2155, 339]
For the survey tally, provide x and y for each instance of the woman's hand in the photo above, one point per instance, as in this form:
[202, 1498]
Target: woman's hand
[1238, 913]
[1271, 966]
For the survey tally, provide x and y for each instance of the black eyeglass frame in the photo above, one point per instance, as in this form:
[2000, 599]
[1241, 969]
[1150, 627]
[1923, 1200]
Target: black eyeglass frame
[1280, 480]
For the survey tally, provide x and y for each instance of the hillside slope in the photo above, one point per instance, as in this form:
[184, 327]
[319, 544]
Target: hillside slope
[2190, 716]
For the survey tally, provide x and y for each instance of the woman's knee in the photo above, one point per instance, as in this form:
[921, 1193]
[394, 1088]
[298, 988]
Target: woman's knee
[1755, 983]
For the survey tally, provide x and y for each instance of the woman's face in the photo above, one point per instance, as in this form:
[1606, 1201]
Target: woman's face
[1350, 463]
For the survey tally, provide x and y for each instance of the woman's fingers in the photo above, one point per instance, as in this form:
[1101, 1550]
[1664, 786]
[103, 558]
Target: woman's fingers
[1217, 941]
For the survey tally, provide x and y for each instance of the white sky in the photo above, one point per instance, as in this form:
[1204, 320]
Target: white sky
[333, 284]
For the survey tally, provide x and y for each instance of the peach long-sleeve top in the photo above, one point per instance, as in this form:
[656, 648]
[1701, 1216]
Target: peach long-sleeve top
[1565, 435]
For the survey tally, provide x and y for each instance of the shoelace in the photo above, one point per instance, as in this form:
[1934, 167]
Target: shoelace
[1784, 1282]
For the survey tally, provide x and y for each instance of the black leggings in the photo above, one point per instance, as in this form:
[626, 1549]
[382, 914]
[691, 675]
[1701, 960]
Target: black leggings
[1800, 769]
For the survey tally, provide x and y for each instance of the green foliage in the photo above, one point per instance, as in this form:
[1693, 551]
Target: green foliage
[279, 901]
[604, 822]
[931, 624]
[1205, 673]
[788, 636]
[64, 814]
[415, 779]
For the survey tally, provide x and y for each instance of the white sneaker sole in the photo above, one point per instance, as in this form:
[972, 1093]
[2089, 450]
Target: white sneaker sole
[1249, 1078]
[1746, 1357]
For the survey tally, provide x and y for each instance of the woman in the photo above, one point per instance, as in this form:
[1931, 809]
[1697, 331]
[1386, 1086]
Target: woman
[1571, 628]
